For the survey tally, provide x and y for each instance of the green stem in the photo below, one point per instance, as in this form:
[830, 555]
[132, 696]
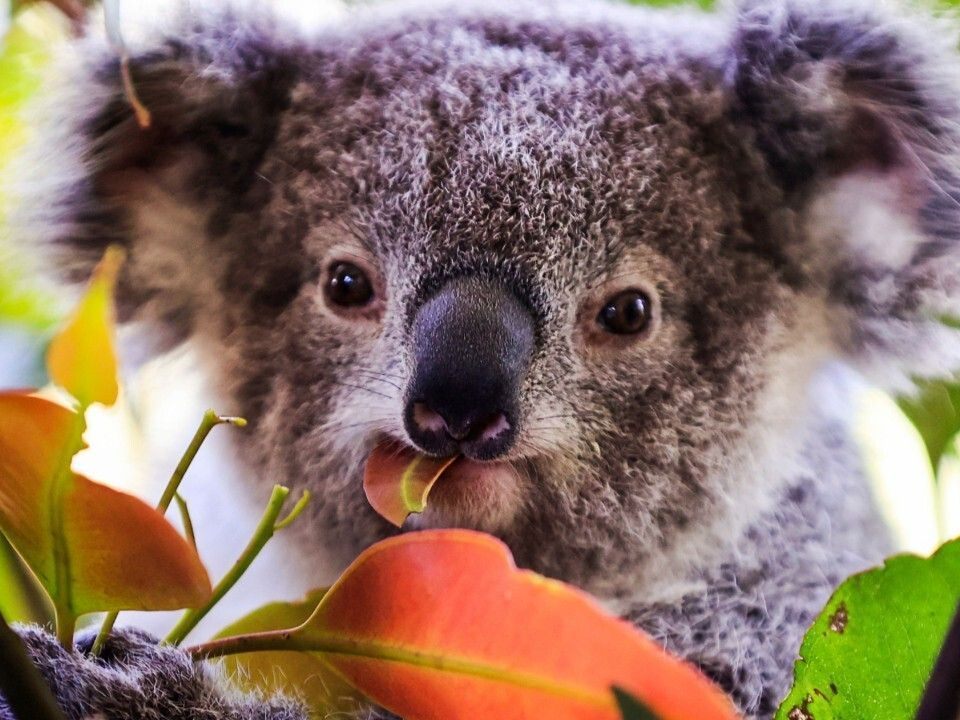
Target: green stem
[261, 536]
[62, 596]
[24, 689]
[308, 638]
[186, 519]
[66, 626]
[210, 420]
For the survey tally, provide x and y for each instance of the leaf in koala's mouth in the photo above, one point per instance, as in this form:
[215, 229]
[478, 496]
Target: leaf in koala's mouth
[398, 480]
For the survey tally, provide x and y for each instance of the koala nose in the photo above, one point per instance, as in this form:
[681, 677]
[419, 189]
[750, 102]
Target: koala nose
[472, 344]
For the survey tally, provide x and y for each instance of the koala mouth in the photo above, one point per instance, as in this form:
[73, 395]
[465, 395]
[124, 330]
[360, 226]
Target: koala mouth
[414, 491]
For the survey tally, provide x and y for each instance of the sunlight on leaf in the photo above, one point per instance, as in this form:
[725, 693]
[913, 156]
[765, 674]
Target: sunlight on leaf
[304, 675]
[398, 481]
[82, 358]
[871, 650]
[92, 548]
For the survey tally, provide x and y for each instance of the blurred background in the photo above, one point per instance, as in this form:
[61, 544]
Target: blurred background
[911, 444]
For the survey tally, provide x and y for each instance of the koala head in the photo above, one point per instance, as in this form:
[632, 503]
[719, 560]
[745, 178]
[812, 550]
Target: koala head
[598, 252]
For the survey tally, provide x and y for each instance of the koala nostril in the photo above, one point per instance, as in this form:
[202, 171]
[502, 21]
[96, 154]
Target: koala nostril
[427, 419]
[434, 430]
[493, 428]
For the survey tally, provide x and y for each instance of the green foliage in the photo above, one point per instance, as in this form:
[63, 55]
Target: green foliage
[935, 412]
[21, 599]
[24, 53]
[870, 652]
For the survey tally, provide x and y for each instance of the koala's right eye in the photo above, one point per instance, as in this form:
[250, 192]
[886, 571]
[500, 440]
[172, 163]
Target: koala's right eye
[348, 286]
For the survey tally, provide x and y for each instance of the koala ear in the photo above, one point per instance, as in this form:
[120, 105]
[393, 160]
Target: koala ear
[856, 112]
[215, 93]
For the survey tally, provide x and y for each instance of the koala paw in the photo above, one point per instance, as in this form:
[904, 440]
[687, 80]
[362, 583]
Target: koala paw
[136, 678]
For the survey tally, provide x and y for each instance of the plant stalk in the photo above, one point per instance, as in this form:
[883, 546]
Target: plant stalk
[209, 422]
[261, 536]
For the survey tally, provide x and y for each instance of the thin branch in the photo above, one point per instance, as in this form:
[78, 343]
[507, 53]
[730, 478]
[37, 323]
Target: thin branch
[185, 519]
[209, 421]
[261, 536]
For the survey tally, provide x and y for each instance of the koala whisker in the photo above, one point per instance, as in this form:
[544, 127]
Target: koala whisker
[362, 387]
[381, 377]
[384, 373]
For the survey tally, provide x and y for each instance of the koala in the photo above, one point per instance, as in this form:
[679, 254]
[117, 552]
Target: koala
[624, 261]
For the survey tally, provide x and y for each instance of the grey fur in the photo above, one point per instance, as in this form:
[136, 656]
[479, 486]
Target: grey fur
[692, 478]
[134, 677]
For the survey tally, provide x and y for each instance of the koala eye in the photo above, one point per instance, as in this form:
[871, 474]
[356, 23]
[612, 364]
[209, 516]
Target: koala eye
[626, 313]
[348, 285]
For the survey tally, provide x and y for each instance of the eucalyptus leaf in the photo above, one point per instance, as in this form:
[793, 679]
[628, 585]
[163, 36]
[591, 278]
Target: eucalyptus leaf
[935, 412]
[871, 651]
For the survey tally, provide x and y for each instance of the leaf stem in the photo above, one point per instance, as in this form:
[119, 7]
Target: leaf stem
[295, 512]
[62, 598]
[186, 519]
[261, 536]
[209, 421]
[24, 688]
[66, 626]
[248, 642]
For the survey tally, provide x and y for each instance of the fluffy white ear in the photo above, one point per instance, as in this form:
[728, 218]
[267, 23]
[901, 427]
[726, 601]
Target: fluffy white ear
[856, 110]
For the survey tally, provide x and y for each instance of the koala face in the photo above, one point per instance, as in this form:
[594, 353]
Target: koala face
[516, 259]
[575, 249]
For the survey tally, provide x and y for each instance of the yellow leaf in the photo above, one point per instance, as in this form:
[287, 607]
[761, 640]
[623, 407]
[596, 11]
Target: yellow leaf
[303, 675]
[82, 357]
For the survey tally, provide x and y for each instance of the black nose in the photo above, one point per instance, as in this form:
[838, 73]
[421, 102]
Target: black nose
[472, 344]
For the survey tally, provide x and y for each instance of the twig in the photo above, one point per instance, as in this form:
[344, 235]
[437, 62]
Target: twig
[265, 530]
[210, 420]
[185, 519]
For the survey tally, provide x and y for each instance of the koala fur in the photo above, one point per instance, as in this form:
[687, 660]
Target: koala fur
[780, 178]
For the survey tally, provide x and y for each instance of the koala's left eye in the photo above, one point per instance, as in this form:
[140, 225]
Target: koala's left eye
[348, 285]
[626, 313]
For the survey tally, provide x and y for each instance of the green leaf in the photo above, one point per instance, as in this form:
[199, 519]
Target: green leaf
[26, 692]
[870, 652]
[304, 675]
[24, 54]
[21, 597]
[935, 412]
[631, 708]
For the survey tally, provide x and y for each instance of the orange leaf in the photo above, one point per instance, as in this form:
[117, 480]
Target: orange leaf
[397, 481]
[440, 624]
[82, 358]
[92, 548]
